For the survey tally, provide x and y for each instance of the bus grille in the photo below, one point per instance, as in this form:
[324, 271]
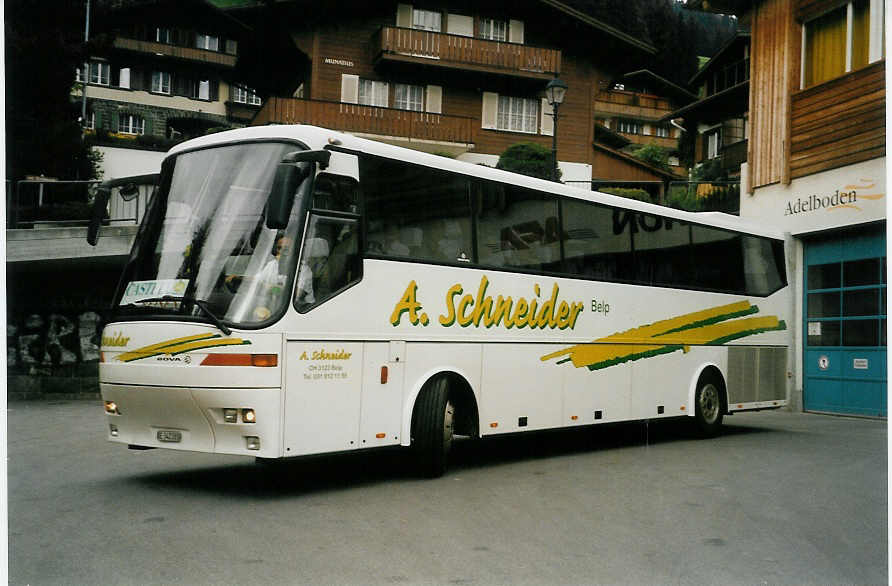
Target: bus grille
[756, 374]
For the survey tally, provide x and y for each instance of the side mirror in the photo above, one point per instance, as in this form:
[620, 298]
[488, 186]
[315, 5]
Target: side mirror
[290, 173]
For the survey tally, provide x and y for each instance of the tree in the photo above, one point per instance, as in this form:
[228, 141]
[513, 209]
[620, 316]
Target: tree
[654, 155]
[43, 49]
[528, 158]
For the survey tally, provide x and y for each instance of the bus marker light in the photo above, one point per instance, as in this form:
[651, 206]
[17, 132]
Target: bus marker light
[230, 415]
[494, 425]
[113, 430]
[380, 435]
[102, 357]
[252, 442]
[112, 408]
[383, 375]
[262, 360]
[574, 417]
[682, 407]
[265, 360]
[740, 406]
[248, 416]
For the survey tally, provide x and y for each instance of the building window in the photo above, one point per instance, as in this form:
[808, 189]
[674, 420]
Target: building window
[408, 97]
[208, 42]
[162, 35]
[628, 126]
[713, 140]
[245, 96]
[231, 47]
[161, 82]
[373, 93]
[494, 30]
[89, 123]
[131, 124]
[517, 114]
[661, 131]
[842, 40]
[100, 73]
[427, 20]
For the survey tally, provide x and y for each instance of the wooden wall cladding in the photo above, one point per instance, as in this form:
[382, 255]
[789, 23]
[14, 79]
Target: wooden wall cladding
[840, 122]
[774, 63]
[808, 9]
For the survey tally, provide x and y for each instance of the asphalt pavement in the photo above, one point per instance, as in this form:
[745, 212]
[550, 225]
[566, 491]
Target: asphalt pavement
[778, 498]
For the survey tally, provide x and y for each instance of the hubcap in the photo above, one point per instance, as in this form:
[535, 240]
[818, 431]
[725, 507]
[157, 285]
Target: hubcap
[447, 425]
[709, 403]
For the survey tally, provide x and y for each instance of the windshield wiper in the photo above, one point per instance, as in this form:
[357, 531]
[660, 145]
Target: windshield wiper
[201, 304]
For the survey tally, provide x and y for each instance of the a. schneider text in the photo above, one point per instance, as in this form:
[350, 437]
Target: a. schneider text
[468, 310]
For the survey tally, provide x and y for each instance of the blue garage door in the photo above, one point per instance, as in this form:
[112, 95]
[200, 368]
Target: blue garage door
[845, 321]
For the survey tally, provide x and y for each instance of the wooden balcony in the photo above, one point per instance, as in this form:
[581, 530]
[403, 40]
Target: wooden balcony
[374, 120]
[186, 53]
[397, 44]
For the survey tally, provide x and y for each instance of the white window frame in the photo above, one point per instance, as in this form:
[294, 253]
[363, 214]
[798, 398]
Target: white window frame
[516, 114]
[373, 93]
[629, 126]
[661, 131]
[158, 82]
[131, 124]
[427, 20]
[89, 123]
[100, 73]
[408, 97]
[162, 35]
[493, 29]
[875, 43]
[243, 95]
[207, 42]
[713, 142]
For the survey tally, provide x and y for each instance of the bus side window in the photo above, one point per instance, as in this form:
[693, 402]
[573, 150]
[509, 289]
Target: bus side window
[330, 260]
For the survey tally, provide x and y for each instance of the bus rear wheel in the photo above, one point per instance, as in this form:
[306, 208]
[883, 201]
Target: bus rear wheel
[709, 405]
[432, 428]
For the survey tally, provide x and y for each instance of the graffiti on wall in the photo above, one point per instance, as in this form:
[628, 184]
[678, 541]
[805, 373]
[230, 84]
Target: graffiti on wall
[39, 344]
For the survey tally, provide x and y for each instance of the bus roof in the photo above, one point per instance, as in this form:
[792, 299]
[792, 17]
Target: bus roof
[318, 138]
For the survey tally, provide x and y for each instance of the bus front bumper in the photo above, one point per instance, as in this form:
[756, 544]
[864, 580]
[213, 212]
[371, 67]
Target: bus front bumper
[221, 421]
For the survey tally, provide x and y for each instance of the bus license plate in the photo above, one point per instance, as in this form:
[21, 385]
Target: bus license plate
[170, 436]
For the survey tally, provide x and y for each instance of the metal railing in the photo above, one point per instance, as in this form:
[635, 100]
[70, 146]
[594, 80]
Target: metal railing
[46, 203]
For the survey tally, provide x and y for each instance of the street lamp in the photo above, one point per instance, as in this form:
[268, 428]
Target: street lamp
[554, 93]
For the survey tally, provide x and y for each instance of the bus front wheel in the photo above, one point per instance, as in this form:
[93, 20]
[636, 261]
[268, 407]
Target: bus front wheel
[432, 428]
[709, 405]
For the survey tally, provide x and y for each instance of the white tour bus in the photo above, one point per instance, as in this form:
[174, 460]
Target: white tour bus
[294, 290]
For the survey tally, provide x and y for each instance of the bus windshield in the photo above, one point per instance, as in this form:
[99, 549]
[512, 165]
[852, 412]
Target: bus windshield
[204, 249]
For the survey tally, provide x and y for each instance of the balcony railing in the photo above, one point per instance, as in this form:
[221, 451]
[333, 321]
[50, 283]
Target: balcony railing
[734, 155]
[367, 119]
[189, 53]
[43, 203]
[466, 53]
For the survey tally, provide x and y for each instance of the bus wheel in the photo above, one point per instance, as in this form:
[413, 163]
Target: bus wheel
[432, 424]
[708, 406]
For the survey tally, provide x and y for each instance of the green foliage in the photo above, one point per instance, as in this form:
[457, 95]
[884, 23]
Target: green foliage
[528, 158]
[631, 193]
[705, 197]
[653, 155]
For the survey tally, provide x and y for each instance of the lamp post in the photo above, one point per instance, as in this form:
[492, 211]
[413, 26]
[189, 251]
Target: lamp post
[554, 93]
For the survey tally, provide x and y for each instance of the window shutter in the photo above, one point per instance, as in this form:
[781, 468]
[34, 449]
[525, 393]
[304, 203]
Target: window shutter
[349, 88]
[124, 78]
[434, 99]
[515, 31]
[490, 109]
[404, 15]
[459, 24]
[547, 124]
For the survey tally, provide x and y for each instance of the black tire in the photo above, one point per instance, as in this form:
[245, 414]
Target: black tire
[432, 428]
[709, 405]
